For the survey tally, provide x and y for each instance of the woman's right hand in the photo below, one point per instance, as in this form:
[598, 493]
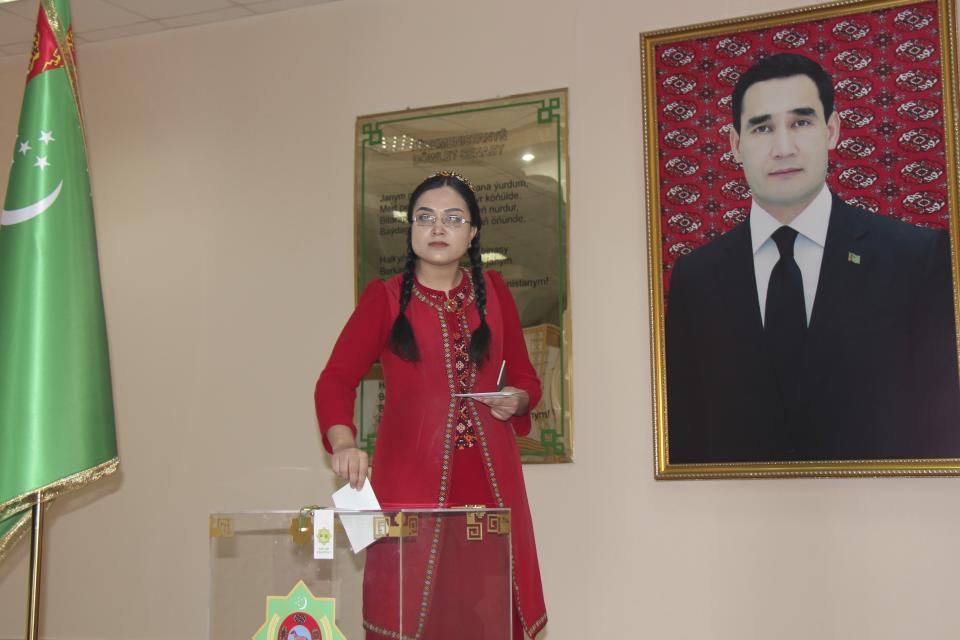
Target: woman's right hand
[349, 461]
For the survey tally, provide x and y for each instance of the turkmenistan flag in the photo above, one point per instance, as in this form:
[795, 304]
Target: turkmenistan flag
[56, 405]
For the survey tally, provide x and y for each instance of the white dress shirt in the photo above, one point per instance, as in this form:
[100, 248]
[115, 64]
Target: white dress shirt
[811, 227]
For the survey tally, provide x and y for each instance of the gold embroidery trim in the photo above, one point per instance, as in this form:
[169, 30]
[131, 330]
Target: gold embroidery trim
[13, 536]
[56, 489]
[64, 39]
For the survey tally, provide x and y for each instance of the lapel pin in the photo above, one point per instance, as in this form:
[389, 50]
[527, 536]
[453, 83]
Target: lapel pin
[853, 257]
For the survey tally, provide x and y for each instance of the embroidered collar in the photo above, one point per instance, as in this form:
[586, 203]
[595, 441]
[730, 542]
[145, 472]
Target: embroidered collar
[460, 297]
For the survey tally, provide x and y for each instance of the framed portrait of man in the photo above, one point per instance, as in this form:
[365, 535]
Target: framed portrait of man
[801, 173]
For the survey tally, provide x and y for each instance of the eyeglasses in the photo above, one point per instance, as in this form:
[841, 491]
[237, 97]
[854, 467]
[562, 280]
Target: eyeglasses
[449, 220]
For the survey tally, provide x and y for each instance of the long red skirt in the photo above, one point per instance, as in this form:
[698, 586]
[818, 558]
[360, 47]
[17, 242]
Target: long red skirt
[456, 606]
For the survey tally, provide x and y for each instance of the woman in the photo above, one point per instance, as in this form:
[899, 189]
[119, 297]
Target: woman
[437, 330]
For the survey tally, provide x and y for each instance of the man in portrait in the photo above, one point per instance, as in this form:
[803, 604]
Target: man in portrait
[814, 330]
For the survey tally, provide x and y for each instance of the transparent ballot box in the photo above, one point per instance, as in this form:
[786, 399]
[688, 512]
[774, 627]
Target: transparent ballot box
[427, 574]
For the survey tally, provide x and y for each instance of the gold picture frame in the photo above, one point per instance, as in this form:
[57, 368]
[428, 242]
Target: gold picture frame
[685, 106]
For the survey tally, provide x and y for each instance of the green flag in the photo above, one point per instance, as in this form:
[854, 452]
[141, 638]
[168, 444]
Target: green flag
[56, 405]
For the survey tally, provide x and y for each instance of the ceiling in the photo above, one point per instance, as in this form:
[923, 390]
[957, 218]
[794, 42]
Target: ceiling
[96, 20]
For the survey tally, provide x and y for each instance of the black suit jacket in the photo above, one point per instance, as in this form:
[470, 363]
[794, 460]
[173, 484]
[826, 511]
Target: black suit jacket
[879, 374]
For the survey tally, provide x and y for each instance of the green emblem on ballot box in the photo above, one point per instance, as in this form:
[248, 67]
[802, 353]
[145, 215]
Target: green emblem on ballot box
[299, 616]
[324, 536]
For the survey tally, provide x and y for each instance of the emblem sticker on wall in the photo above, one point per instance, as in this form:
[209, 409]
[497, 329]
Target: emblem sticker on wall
[299, 616]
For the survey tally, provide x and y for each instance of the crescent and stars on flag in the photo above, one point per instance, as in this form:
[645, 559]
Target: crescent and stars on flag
[48, 42]
[40, 160]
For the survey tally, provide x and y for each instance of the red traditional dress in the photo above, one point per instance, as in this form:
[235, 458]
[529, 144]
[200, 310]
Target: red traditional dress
[433, 448]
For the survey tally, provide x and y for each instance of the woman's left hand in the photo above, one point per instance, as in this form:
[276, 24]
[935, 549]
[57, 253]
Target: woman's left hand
[506, 407]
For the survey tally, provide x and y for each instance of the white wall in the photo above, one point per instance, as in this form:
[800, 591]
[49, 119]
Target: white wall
[222, 164]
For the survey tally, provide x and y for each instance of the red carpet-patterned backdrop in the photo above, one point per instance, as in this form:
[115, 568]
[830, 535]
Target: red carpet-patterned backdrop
[891, 156]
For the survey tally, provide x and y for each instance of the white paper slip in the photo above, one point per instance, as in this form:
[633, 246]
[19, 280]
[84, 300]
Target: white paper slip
[486, 394]
[323, 534]
[359, 528]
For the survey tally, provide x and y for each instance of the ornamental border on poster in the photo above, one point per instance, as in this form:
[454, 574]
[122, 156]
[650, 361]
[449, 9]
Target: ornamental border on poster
[560, 105]
[663, 469]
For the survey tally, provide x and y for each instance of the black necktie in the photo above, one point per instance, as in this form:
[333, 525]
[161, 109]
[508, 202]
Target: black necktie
[785, 320]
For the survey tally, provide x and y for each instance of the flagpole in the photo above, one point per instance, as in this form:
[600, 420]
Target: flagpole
[36, 555]
[56, 400]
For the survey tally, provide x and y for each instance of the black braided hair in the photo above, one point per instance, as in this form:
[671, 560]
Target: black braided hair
[402, 341]
[480, 340]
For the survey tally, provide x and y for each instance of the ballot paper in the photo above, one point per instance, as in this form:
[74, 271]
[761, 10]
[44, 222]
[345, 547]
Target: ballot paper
[486, 394]
[359, 528]
[499, 393]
